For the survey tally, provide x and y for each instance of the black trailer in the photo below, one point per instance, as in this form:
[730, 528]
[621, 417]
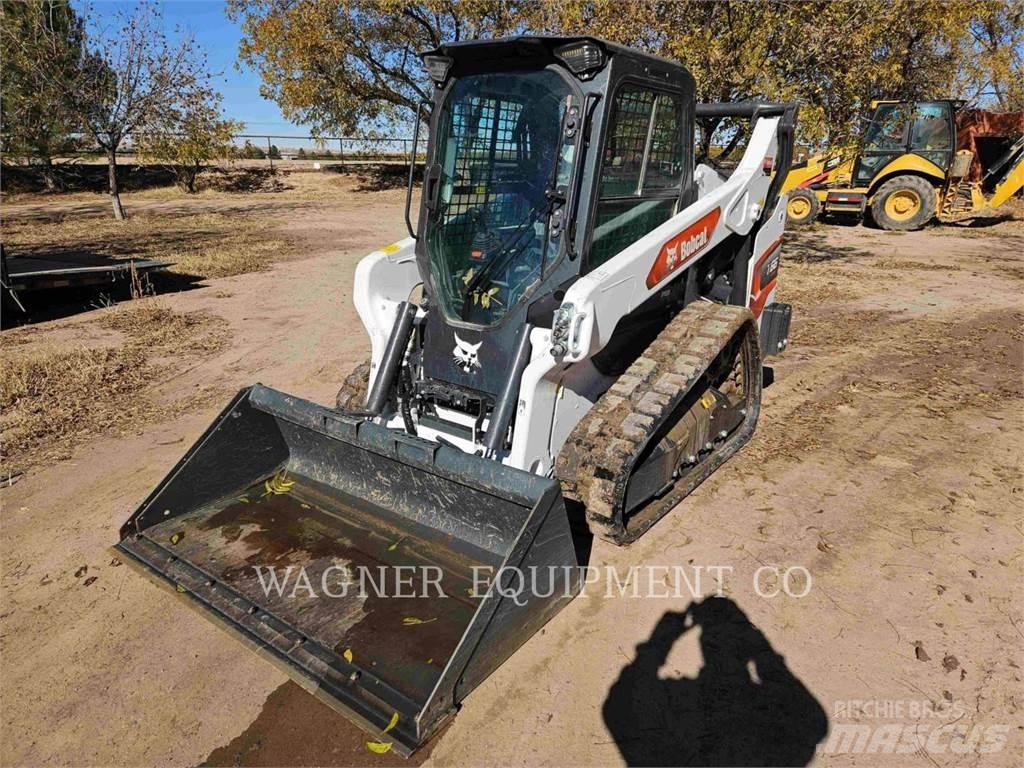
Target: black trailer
[30, 274]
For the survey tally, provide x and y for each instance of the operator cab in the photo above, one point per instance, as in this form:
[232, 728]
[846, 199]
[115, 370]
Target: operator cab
[924, 128]
[548, 156]
[502, 164]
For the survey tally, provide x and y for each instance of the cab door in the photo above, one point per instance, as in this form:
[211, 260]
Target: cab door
[932, 133]
[886, 139]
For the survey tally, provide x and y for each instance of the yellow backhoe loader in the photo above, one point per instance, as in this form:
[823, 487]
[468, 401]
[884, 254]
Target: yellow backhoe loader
[919, 161]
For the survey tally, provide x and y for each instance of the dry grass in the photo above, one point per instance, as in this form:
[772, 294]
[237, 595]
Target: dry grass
[899, 264]
[52, 398]
[816, 284]
[151, 323]
[206, 245]
[932, 368]
[237, 253]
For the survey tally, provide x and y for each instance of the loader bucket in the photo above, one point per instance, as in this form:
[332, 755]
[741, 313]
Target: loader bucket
[281, 490]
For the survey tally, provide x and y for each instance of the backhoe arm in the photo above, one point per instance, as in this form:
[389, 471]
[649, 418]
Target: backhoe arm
[1010, 185]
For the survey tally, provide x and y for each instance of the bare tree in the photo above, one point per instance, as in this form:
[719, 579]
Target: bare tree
[134, 77]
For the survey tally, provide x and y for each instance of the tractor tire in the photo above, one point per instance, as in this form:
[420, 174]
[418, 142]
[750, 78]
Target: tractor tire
[353, 393]
[903, 204]
[802, 207]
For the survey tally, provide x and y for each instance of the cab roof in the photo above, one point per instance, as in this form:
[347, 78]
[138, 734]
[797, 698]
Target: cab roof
[470, 55]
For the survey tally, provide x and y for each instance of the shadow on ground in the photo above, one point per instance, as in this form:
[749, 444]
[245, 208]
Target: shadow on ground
[744, 708]
[812, 247]
[977, 222]
[83, 177]
[133, 177]
[377, 177]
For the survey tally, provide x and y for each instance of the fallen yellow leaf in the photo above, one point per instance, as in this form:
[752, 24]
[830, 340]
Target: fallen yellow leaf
[412, 621]
[348, 655]
[380, 747]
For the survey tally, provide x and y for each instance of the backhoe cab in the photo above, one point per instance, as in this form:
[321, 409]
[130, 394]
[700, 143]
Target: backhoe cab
[572, 334]
[913, 166]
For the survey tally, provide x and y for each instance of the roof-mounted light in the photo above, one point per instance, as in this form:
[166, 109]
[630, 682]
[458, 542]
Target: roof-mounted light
[437, 67]
[584, 58]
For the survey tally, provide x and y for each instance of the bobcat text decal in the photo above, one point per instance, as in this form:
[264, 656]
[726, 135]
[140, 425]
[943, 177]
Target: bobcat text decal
[682, 248]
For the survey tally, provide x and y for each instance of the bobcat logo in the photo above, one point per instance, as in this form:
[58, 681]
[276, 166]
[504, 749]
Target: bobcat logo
[465, 355]
[672, 255]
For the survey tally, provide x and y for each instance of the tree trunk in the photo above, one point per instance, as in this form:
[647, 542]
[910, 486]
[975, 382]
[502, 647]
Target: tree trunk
[193, 174]
[49, 177]
[115, 195]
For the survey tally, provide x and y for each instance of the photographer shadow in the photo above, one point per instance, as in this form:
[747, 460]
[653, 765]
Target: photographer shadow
[744, 708]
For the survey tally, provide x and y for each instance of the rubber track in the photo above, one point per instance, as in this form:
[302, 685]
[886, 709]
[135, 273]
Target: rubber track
[352, 394]
[595, 464]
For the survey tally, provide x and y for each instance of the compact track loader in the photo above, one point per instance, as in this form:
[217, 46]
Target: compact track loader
[576, 324]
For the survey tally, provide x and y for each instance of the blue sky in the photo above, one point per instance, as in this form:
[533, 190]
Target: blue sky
[219, 38]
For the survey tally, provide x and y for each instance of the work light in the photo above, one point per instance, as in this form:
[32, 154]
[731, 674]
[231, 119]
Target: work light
[437, 67]
[583, 58]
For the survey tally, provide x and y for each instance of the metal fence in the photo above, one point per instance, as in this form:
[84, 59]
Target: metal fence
[339, 149]
[280, 149]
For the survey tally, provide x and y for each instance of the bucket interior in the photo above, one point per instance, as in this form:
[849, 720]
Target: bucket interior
[328, 564]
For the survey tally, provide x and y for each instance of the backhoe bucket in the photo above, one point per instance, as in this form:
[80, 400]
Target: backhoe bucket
[387, 574]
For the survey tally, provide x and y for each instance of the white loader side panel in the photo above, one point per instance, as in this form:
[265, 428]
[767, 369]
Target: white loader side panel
[383, 280]
[764, 266]
[553, 396]
[606, 295]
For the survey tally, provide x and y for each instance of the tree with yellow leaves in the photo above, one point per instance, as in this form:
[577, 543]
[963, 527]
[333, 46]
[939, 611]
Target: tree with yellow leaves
[189, 136]
[340, 64]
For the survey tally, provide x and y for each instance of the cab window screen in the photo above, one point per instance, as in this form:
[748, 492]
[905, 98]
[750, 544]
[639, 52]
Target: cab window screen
[665, 157]
[624, 150]
[500, 146]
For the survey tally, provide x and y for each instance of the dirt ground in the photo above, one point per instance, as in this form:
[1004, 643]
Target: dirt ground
[887, 463]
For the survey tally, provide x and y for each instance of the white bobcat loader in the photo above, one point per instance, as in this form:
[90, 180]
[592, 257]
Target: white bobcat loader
[576, 324]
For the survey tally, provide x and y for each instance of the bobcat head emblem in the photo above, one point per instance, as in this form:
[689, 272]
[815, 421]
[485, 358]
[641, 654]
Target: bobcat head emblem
[672, 255]
[465, 355]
